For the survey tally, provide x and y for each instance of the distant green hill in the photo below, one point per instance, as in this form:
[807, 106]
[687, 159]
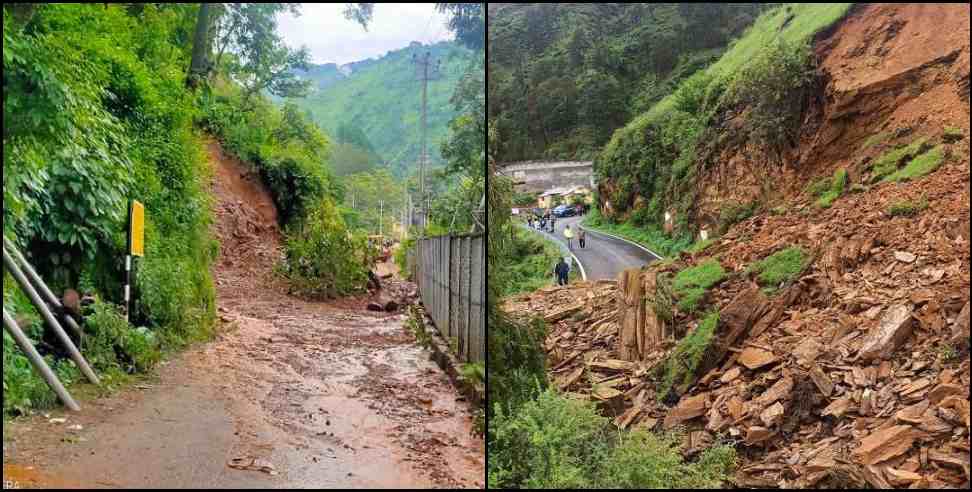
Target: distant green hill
[383, 98]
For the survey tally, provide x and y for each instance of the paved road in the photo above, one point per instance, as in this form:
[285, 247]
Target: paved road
[604, 257]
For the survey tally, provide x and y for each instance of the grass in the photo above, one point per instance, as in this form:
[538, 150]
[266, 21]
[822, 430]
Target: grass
[953, 134]
[682, 364]
[735, 213]
[805, 20]
[700, 246]
[554, 442]
[887, 164]
[829, 190]
[907, 208]
[691, 284]
[919, 166]
[532, 263]
[780, 267]
[875, 139]
[650, 236]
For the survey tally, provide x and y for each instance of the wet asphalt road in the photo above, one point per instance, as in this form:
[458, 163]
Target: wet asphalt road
[604, 257]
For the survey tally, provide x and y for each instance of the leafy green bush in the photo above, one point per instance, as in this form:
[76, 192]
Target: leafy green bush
[96, 114]
[691, 283]
[907, 208]
[919, 166]
[113, 344]
[782, 266]
[557, 442]
[323, 258]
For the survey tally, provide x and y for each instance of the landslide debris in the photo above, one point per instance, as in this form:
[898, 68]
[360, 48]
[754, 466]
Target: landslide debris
[854, 371]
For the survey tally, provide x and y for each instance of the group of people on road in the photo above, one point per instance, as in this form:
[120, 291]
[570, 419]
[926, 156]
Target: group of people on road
[581, 237]
[562, 270]
[547, 222]
[540, 222]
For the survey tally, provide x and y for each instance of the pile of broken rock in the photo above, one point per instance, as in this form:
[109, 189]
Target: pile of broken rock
[856, 374]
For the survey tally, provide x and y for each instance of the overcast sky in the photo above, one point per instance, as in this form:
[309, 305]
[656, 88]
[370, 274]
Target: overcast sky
[333, 39]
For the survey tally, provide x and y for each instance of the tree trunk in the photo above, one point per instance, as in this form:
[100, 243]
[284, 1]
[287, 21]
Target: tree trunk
[199, 66]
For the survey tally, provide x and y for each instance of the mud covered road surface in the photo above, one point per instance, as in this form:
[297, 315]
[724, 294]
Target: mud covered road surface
[291, 394]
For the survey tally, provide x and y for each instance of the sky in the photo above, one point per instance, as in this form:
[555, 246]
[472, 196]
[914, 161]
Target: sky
[333, 39]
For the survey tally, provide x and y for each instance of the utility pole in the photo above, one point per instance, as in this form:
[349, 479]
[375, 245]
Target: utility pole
[381, 217]
[425, 71]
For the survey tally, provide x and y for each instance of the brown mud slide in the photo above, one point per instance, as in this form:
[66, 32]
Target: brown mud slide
[291, 394]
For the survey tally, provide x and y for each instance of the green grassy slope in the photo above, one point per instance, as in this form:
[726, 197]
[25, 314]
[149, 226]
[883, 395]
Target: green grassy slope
[383, 97]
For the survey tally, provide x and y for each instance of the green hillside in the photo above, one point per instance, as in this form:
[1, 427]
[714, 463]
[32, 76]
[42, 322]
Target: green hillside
[383, 98]
[563, 77]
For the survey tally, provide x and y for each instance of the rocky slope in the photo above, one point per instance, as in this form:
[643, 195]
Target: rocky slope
[889, 73]
[853, 371]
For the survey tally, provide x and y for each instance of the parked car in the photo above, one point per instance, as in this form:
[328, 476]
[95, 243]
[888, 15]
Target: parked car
[564, 211]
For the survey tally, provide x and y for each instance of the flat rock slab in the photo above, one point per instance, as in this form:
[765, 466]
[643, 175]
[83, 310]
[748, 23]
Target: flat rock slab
[885, 444]
[754, 358]
[905, 257]
[687, 409]
[895, 328]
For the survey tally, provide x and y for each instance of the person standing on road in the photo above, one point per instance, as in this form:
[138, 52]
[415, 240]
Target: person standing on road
[553, 224]
[582, 238]
[562, 271]
[569, 234]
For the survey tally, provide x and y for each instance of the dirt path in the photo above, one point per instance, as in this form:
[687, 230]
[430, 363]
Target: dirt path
[319, 395]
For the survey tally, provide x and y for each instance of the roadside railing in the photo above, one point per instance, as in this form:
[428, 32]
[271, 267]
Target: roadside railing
[451, 275]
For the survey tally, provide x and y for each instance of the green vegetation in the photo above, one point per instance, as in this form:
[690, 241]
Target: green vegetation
[531, 263]
[735, 213]
[383, 98]
[323, 258]
[952, 134]
[691, 284]
[700, 246]
[564, 77]
[875, 139]
[556, 442]
[907, 208]
[888, 162]
[919, 166]
[95, 114]
[766, 72]
[679, 371]
[780, 267]
[829, 190]
[649, 236]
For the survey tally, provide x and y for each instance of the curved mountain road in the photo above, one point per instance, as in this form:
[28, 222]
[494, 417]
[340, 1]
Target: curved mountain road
[604, 257]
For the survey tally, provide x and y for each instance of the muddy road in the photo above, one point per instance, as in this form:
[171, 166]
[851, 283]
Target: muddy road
[291, 393]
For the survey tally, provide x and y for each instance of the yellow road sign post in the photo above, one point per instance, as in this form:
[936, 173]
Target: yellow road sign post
[136, 247]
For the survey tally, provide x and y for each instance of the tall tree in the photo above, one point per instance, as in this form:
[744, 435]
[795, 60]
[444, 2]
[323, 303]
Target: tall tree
[260, 60]
[199, 66]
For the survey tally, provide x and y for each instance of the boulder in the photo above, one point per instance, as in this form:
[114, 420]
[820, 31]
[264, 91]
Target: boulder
[895, 328]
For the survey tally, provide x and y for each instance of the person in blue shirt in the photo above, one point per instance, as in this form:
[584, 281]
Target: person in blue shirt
[562, 270]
